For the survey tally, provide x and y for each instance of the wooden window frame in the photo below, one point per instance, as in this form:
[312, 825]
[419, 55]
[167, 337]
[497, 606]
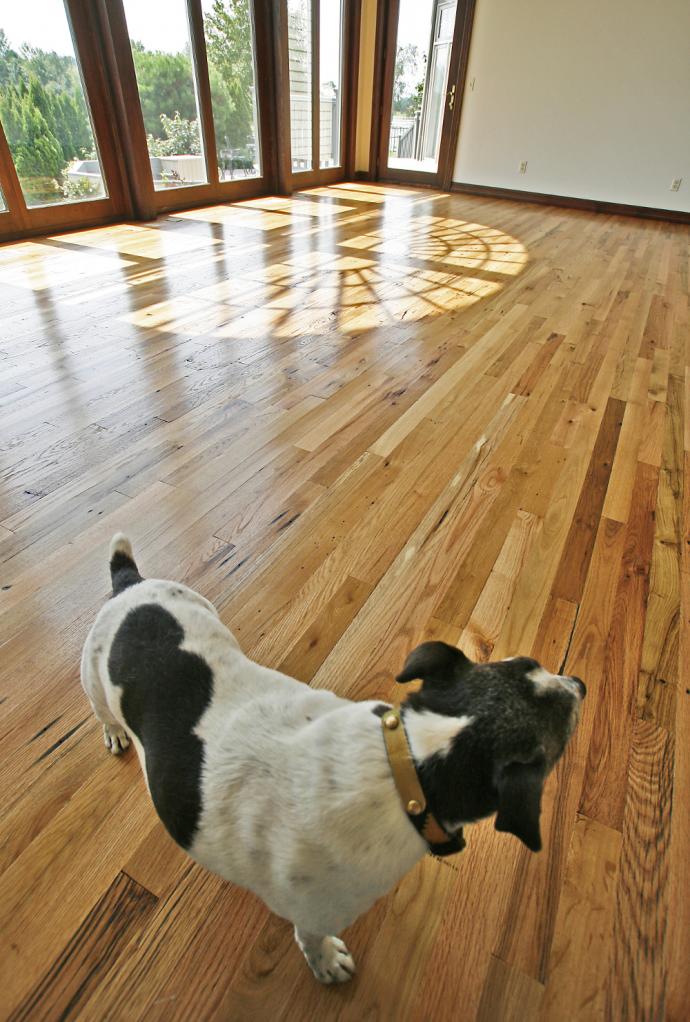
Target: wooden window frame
[13, 219]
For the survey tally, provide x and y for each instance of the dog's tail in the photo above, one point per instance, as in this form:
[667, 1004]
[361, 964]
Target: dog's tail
[123, 568]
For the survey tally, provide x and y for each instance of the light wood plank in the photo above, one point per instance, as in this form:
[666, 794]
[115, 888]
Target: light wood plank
[578, 969]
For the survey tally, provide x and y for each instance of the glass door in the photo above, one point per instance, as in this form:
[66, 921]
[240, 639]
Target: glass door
[421, 80]
[316, 33]
[52, 171]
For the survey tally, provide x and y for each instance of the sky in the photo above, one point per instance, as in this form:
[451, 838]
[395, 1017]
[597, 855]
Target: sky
[414, 23]
[158, 24]
[41, 23]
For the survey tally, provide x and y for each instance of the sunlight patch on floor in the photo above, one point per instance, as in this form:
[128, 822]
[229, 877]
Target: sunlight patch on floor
[42, 266]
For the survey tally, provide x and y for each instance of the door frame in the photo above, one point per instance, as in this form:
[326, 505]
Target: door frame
[382, 95]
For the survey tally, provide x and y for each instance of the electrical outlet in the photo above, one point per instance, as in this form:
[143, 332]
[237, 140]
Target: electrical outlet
[523, 167]
[675, 184]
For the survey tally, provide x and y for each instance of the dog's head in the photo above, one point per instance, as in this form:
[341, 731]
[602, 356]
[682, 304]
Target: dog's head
[514, 721]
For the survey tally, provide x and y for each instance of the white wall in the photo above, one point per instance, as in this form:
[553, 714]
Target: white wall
[594, 94]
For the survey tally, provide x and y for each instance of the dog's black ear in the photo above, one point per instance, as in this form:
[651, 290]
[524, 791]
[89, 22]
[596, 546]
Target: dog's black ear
[520, 787]
[436, 663]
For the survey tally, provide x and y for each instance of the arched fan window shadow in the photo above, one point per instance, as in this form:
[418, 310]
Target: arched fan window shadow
[411, 266]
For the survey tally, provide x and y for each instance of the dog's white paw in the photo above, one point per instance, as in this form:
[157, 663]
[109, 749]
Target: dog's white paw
[115, 738]
[330, 962]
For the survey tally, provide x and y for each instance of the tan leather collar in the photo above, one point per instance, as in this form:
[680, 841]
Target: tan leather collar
[410, 789]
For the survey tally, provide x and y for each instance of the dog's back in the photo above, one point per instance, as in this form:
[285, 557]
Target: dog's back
[143, 676]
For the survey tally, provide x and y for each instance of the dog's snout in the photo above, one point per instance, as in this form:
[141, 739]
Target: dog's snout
[582, 688]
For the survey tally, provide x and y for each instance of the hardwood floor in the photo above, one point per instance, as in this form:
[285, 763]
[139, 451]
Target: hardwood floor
[354, 419]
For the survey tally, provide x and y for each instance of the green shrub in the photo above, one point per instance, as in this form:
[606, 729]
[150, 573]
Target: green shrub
[181, 137]
[82, 188]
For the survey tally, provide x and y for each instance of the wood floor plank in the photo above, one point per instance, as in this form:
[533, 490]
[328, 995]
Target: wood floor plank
[156, 862]
[387, 443]
[157, 978]
[530, 914]
[314, 645]
[96, 946]
[418, 574]
[578, 974]
[638, 961]
[606, 777]
[619, 493]
[479, 637]
[536, 581]
[658, 689]
[509, 995]
[555, 633]
[490, 860]
[574, 566]
[678, 938]
[77, 854]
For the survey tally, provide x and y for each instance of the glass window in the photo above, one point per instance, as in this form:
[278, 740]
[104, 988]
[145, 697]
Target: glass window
[446, 23]
[43, 106]
[231, 51]
[330, 86]
[436, 95]
[299, 50]
[3, 205]
[166, 76]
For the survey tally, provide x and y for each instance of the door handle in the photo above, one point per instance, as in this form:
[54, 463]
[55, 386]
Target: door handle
[451, 98]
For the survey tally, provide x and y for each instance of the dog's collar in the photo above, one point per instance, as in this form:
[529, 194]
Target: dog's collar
[411, 793]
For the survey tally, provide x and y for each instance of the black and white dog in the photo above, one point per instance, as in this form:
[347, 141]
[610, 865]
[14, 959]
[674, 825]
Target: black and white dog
[288, 790]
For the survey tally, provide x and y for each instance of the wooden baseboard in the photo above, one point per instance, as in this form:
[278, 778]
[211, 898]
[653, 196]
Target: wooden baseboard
[592, 205]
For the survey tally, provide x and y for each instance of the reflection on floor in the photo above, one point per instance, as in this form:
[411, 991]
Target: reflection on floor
[354, 419]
